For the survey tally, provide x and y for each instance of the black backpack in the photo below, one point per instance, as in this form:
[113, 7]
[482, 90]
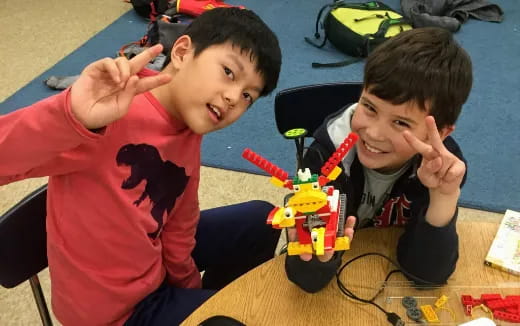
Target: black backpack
[356, 28]
[164, 29]
[150, 8]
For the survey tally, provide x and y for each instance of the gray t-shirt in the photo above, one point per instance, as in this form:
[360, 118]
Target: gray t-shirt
[376, 190]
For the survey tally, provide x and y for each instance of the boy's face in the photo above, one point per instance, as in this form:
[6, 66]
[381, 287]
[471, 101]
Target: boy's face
[212, 90]
[380, 125]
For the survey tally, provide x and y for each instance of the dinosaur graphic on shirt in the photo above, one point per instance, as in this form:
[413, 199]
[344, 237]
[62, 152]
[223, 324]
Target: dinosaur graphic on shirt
[165, 181]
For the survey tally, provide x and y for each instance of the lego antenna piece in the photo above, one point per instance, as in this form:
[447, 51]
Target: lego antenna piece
[264, 164]
[336, 157]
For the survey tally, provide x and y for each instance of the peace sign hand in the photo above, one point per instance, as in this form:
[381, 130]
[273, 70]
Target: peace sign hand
[440, 170]
[103, 92]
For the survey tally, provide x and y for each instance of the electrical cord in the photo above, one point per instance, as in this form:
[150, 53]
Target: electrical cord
[392, 317]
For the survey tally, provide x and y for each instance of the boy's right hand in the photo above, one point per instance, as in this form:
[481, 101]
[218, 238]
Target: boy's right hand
[104, 90]
[349, 232]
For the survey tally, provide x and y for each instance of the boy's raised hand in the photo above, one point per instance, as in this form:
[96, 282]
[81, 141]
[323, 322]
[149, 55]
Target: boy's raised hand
[440, 170]
[349, 232]
[103, 92]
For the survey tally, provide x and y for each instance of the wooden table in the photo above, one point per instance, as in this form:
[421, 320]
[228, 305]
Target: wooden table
[264, 296]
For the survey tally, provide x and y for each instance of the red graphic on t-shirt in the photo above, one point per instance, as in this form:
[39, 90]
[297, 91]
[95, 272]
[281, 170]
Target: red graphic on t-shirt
[396, 211]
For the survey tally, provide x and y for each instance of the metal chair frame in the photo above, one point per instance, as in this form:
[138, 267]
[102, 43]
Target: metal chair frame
[23, 247]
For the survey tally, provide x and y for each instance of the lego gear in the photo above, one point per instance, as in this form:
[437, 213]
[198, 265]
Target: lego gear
[414, 313]
[409, 302]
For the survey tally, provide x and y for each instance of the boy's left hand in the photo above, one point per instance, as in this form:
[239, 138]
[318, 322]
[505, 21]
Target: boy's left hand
[440, 170]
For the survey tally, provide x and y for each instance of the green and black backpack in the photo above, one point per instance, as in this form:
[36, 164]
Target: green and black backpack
[357, 28]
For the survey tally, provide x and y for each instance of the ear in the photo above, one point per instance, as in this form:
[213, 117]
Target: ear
[181, 48]
[446, 131]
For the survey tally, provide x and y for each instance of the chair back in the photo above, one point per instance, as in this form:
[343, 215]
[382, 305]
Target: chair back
[307, 106]
[23, 247]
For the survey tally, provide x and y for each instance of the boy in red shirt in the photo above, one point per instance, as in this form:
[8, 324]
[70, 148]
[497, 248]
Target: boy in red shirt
[122, 149]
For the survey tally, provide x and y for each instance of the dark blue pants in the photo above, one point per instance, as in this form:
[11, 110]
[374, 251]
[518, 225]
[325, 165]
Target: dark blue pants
[231, 240]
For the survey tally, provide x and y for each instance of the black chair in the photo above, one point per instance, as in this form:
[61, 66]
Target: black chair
[307, 106]
[23, 247]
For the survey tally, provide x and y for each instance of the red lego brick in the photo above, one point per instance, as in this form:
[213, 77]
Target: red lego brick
[264, 164]
[466, 299]
[338, 155]
[490, 296]
[501, 304]
[513, 297]
[502, 315]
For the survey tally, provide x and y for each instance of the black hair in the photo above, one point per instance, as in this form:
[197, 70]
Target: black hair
[244, 29]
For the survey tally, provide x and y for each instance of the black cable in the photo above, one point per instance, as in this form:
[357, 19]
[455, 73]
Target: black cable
[406, 273]
[353, 296]
[392, 317]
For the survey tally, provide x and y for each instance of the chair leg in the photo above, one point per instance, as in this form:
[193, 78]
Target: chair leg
[40, 300]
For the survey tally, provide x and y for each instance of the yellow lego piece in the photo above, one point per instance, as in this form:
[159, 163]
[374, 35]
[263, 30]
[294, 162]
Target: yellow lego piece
[308, 200]
[318, 242]
[452, 313]
[287, 222]
[334, 173]
[342, 243]
[284, 217]
[483, 307]
[441, 301]
[277, 182]
[430, 314]
[296, 248]
[278, 216]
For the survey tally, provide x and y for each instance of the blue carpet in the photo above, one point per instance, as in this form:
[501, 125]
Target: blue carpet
[485, 131]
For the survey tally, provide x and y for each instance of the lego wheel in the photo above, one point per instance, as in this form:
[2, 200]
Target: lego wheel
[295, 133]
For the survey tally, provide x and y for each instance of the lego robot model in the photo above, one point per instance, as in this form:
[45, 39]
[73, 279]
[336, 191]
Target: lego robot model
[316, 210]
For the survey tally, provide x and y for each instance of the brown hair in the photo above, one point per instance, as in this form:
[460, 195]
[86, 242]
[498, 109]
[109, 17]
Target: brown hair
[424, 65]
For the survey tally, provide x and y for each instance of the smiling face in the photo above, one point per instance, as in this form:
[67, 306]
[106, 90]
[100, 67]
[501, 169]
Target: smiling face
[380, 125]
[212, 90]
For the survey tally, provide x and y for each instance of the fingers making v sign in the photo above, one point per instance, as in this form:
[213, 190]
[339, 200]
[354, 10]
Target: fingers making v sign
[103, 92]
[440, 170]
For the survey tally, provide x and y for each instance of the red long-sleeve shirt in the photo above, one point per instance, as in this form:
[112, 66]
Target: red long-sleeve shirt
[106, 193]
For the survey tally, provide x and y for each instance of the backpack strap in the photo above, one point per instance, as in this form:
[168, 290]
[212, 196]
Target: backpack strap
[316, 32]
[383, 29]
[153, 11]
[336, 64]
[331, 6]
[386, 24]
